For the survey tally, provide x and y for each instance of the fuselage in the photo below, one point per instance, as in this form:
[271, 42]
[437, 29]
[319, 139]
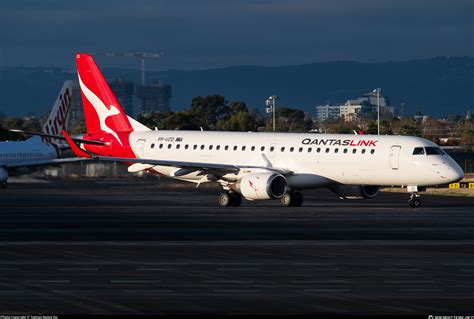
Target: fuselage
[30, 150]
[315, 160]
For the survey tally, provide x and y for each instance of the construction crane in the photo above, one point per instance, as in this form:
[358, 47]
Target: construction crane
[141, 55]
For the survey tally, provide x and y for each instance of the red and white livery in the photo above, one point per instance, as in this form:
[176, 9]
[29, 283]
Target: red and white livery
[258, 166]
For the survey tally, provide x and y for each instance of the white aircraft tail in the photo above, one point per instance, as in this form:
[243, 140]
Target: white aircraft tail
[58, 118]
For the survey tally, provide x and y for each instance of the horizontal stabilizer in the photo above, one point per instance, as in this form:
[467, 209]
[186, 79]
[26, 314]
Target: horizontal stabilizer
[59, 137]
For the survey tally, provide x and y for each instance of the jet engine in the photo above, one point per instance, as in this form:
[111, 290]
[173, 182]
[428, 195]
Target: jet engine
[355, 192]
[3, 175]
[261, 186]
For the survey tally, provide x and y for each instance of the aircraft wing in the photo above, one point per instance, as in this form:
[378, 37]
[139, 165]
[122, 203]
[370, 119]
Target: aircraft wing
[45, 162]
[189, 165]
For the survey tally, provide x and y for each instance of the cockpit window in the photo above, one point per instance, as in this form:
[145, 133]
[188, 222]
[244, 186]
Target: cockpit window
[418, 151]
[433, 151]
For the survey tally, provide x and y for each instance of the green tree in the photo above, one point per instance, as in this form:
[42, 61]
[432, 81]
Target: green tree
[206, 111]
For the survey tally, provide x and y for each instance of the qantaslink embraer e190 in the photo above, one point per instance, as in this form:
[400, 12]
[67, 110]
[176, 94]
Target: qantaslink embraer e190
[258, 166]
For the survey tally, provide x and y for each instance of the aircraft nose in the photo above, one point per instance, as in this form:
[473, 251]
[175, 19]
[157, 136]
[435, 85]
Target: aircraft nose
[456, 172]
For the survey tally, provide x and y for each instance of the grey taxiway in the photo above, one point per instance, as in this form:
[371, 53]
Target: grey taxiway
[142, 247]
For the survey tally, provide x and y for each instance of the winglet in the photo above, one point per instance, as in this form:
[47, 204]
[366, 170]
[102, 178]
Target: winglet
[74, 148]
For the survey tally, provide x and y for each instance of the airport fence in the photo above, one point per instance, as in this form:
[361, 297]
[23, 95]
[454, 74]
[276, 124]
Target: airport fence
[467, 166]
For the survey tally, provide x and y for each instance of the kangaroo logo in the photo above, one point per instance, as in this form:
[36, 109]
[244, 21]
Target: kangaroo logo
[252, 186]
[103, 112]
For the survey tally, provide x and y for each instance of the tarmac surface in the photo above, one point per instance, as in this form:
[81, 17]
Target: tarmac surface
[140, 247]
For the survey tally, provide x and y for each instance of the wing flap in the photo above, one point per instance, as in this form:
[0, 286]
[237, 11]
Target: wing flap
[192, 166]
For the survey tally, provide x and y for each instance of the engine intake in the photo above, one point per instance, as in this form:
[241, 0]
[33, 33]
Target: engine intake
[355, 191]
[261, 186]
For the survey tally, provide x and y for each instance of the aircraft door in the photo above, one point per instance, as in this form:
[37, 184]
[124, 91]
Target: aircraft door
[141, 148]
[395, 156]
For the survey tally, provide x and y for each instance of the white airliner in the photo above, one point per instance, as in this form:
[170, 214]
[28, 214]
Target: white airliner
[258, 166]
[23, 157]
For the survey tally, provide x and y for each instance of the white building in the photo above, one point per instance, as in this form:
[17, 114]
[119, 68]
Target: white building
[348, 112]
[324, 112]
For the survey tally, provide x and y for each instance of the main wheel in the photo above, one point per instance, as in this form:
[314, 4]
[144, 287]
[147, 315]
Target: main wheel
[4, 185]
[225, 199]
[298, 199]
[415, 203]
[287, 199]
[236, 199]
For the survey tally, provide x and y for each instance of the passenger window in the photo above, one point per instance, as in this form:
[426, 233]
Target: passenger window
[354, 151]
[169, 146]
[292, 149]
[372, 151]
[363, 151]
[327, 150]
[282, 149]
[272, 149]
[178, 146]
[336, 150]
[345, 150]
[202, 146]
[243, 148]
[152, 145]
[210, 147]
[318, 150]
[253, 148]
[186, 146]
[226, 147]
[161, 145]
[235, 147]
[195, 146]
[262, 148]
[218, 147]
[301, 149]
[309, 149]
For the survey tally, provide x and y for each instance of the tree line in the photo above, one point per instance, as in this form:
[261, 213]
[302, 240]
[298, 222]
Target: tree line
[215, 113]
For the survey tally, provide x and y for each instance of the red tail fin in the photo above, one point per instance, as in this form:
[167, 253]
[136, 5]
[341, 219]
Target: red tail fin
[105, 118]
[101, 108]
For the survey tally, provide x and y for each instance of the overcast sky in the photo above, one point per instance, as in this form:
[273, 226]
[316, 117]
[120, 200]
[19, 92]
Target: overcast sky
[216, 33]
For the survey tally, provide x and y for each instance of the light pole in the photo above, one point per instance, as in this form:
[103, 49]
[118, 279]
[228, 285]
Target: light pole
[377, 90]
[271, 103]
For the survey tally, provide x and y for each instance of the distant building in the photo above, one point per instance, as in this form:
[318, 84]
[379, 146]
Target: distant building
[324, 112]
[351, 110]
[124, 91]
[154, 98]
[348, 112]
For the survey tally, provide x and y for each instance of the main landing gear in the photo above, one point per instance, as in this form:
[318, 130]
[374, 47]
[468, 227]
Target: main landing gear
[414, 200]
[292, 199]
[227, 199]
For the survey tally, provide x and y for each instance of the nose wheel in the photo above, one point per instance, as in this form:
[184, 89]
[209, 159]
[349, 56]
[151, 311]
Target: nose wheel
[414, 200]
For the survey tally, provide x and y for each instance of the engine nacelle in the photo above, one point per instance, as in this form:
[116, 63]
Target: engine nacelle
[3, 175]
[261, 186]
[355, 192]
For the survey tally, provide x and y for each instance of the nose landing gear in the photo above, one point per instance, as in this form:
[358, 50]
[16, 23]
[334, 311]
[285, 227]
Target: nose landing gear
[414, 200]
